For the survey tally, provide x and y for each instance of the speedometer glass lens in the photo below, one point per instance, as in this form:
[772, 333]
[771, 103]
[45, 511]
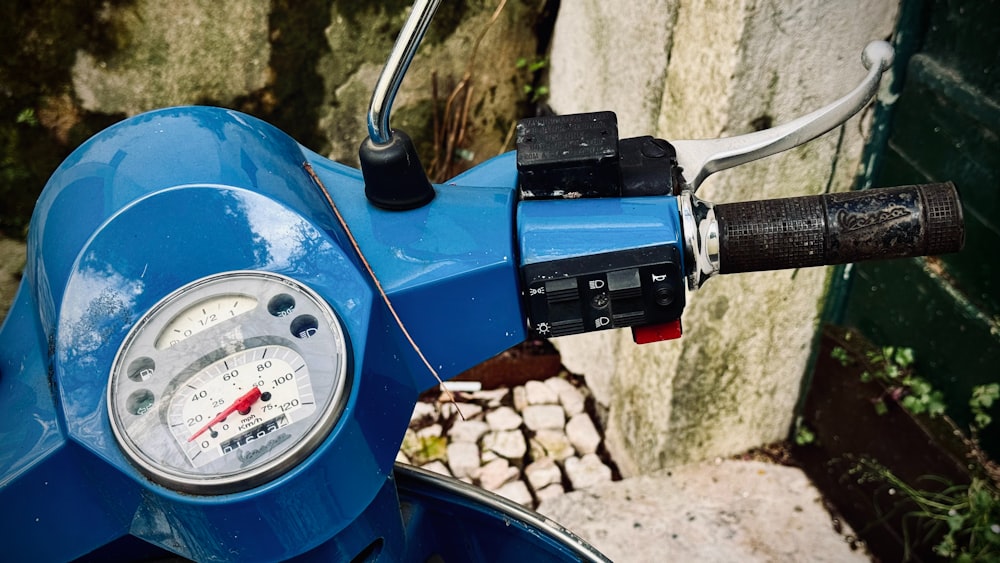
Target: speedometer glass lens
[228, 382]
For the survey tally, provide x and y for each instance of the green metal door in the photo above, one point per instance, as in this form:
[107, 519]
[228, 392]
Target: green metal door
[944, 125]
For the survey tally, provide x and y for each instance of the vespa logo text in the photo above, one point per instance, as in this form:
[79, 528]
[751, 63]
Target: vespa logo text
[250, 456]
[856, 221]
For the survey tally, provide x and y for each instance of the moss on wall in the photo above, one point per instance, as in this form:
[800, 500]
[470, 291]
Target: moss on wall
[307, 67]
[39, 122]
[293, 95]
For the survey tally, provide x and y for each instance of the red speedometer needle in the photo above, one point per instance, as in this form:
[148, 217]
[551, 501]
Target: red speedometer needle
[242, 405]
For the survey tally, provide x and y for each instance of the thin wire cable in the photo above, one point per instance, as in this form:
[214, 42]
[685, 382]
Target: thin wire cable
[378, 286]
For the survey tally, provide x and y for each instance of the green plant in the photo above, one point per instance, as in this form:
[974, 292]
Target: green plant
[533, 91]
[840, 354]
[421, 449]
[892, 366]
[27, 116]
[803, 434]
[983, 397]
[963, 519]
[966, 516]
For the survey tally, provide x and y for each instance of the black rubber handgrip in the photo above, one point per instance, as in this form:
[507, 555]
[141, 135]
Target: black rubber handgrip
[839, 228]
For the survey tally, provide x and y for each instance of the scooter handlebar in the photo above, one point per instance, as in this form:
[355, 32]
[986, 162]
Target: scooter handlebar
[838, 228]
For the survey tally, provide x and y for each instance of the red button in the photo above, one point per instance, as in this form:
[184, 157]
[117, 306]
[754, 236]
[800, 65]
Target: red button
[656, 333]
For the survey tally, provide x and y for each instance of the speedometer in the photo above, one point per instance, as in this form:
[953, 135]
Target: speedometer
[228, 382]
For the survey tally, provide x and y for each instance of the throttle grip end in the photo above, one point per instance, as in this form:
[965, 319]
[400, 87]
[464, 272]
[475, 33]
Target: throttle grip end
[898, 222]
[838, 228]
[945, 223]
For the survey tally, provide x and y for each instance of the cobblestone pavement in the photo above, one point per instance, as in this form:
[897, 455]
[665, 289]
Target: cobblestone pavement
[530, 443]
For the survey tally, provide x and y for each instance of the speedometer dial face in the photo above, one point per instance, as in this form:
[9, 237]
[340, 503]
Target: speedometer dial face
[274, 386]
[228, 382]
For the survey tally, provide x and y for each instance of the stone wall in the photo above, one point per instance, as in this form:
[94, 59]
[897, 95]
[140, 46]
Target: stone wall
[240, 54]
[705, 69]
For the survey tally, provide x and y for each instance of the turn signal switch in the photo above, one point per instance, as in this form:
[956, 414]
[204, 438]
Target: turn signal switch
[638, 287]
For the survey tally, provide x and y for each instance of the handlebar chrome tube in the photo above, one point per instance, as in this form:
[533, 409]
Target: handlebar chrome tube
[701, 238]
[395, 69]
[703, 157]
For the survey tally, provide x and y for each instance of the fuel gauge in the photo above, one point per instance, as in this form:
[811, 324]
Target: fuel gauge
[202, 315]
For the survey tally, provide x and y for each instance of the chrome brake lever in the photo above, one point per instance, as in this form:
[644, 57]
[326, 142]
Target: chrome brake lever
[701, 158]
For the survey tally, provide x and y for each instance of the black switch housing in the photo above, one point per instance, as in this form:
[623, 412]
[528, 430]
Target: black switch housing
[602, 291]
[580, 156]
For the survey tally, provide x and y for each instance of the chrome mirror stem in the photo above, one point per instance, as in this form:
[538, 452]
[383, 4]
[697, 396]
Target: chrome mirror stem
[395, 69]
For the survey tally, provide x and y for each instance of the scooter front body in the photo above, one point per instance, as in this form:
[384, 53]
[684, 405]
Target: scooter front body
[168, 198]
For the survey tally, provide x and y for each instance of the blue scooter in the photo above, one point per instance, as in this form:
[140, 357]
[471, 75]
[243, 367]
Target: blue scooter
[220, 335]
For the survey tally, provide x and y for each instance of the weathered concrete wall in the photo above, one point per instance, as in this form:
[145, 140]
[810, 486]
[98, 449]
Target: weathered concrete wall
[177, 52]
[198, 51]
[613, 56]
[732, 381]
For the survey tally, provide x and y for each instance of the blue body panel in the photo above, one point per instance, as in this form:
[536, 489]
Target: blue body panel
[555, 230]
[175, 195]
[448, 267]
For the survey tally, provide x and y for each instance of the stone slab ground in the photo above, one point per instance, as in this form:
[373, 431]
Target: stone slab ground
[729, 510]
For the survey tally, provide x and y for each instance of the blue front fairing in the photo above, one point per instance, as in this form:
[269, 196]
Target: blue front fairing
[175, 195]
